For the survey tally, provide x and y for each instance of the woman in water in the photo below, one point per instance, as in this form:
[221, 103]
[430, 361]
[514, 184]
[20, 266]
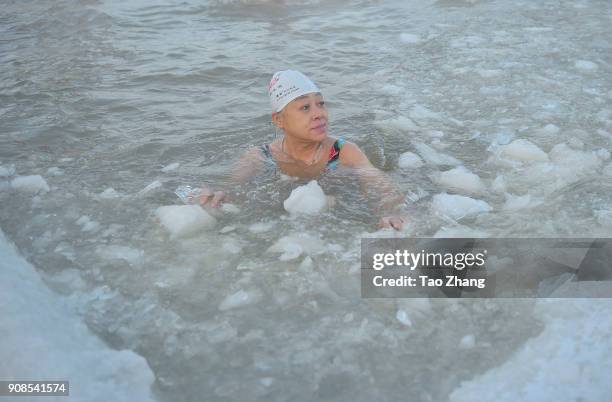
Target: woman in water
[305, 150]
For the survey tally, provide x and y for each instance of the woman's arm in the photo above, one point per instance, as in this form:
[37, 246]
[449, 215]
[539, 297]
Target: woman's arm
[250, 162]
[376, 185]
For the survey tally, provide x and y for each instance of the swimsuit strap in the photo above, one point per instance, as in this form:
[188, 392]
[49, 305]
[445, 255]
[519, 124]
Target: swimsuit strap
[334, 153]
[265, 150]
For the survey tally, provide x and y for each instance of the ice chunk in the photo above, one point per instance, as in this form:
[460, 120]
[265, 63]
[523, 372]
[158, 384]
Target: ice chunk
[400, 123]
[117, 252]
[499, 184]
[90, 226]
[458, 206]
[35, 316]
[419, 112]
[585, 65]
[459, 231]
[30, 184]
[462, 180]
[548, 366]
[109, 194]
[229, 208]
[240, 299]
[227, 229]
[292, 246]
[434, 157]
[603, 154]
[261, 227]
[549, 129]
[467, 342]
[6, 171]
[409, 160]
[170, 167]
[524, 151]
[152, 186]
[308, 199]
[403, 317]
[184, 220]
[575, 143]
[576, 160]
[410, 38]
[55, 171]
[604, 217]
[515, 202]
[87, 225]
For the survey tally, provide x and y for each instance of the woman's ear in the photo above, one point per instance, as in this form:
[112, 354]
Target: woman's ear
[277, 118]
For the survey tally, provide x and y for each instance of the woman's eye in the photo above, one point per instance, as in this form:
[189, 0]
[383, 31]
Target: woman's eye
[305, 107]
[322, 103]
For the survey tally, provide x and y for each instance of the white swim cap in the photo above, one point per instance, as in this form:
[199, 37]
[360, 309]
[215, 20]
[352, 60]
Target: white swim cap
[287, 85]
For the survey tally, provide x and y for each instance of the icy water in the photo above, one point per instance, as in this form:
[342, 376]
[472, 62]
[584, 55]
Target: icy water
[98, 97]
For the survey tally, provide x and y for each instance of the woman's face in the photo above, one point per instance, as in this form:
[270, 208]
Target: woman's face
[304, 118]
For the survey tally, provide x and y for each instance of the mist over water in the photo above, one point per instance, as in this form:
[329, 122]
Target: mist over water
[100, 95]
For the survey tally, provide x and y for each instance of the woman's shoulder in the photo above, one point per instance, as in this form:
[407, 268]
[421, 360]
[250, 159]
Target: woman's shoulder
[350, 153]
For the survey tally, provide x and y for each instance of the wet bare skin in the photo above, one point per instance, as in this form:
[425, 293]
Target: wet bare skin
[297, 168]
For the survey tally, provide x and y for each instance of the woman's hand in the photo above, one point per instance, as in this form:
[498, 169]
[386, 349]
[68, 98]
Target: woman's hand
[394, 222]
[206, 196]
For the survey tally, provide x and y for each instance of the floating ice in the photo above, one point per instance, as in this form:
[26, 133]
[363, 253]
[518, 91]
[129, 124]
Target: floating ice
[231, 245]
[608, 170]
[109, 194]
[549, 129]
[499, 184]
[399, 123]
[170, 167]
[467, 342]
[292, 246]
[308, 199]
[152, 186]
[585, 65]
[54, 171]
[459, 231]
[516, 202]
[306, 264]
[410, 38]
[524, 151]
[419, 112]
[403, 317]
[604, 217]
[227, 229]
[409, 160]
[577, 161]
[87, 225]
[240, 299]
[117, 252]
[267, 381]
[462, 180]
[30, 184]
[261, 227]
[7, 171]
[229, 208]
[434, 157]
[32, 315]
[548, 367]
[458, 206]
[603, 154]
[184, 220]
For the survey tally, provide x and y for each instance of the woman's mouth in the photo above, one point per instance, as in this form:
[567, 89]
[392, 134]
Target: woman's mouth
[321, 128]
